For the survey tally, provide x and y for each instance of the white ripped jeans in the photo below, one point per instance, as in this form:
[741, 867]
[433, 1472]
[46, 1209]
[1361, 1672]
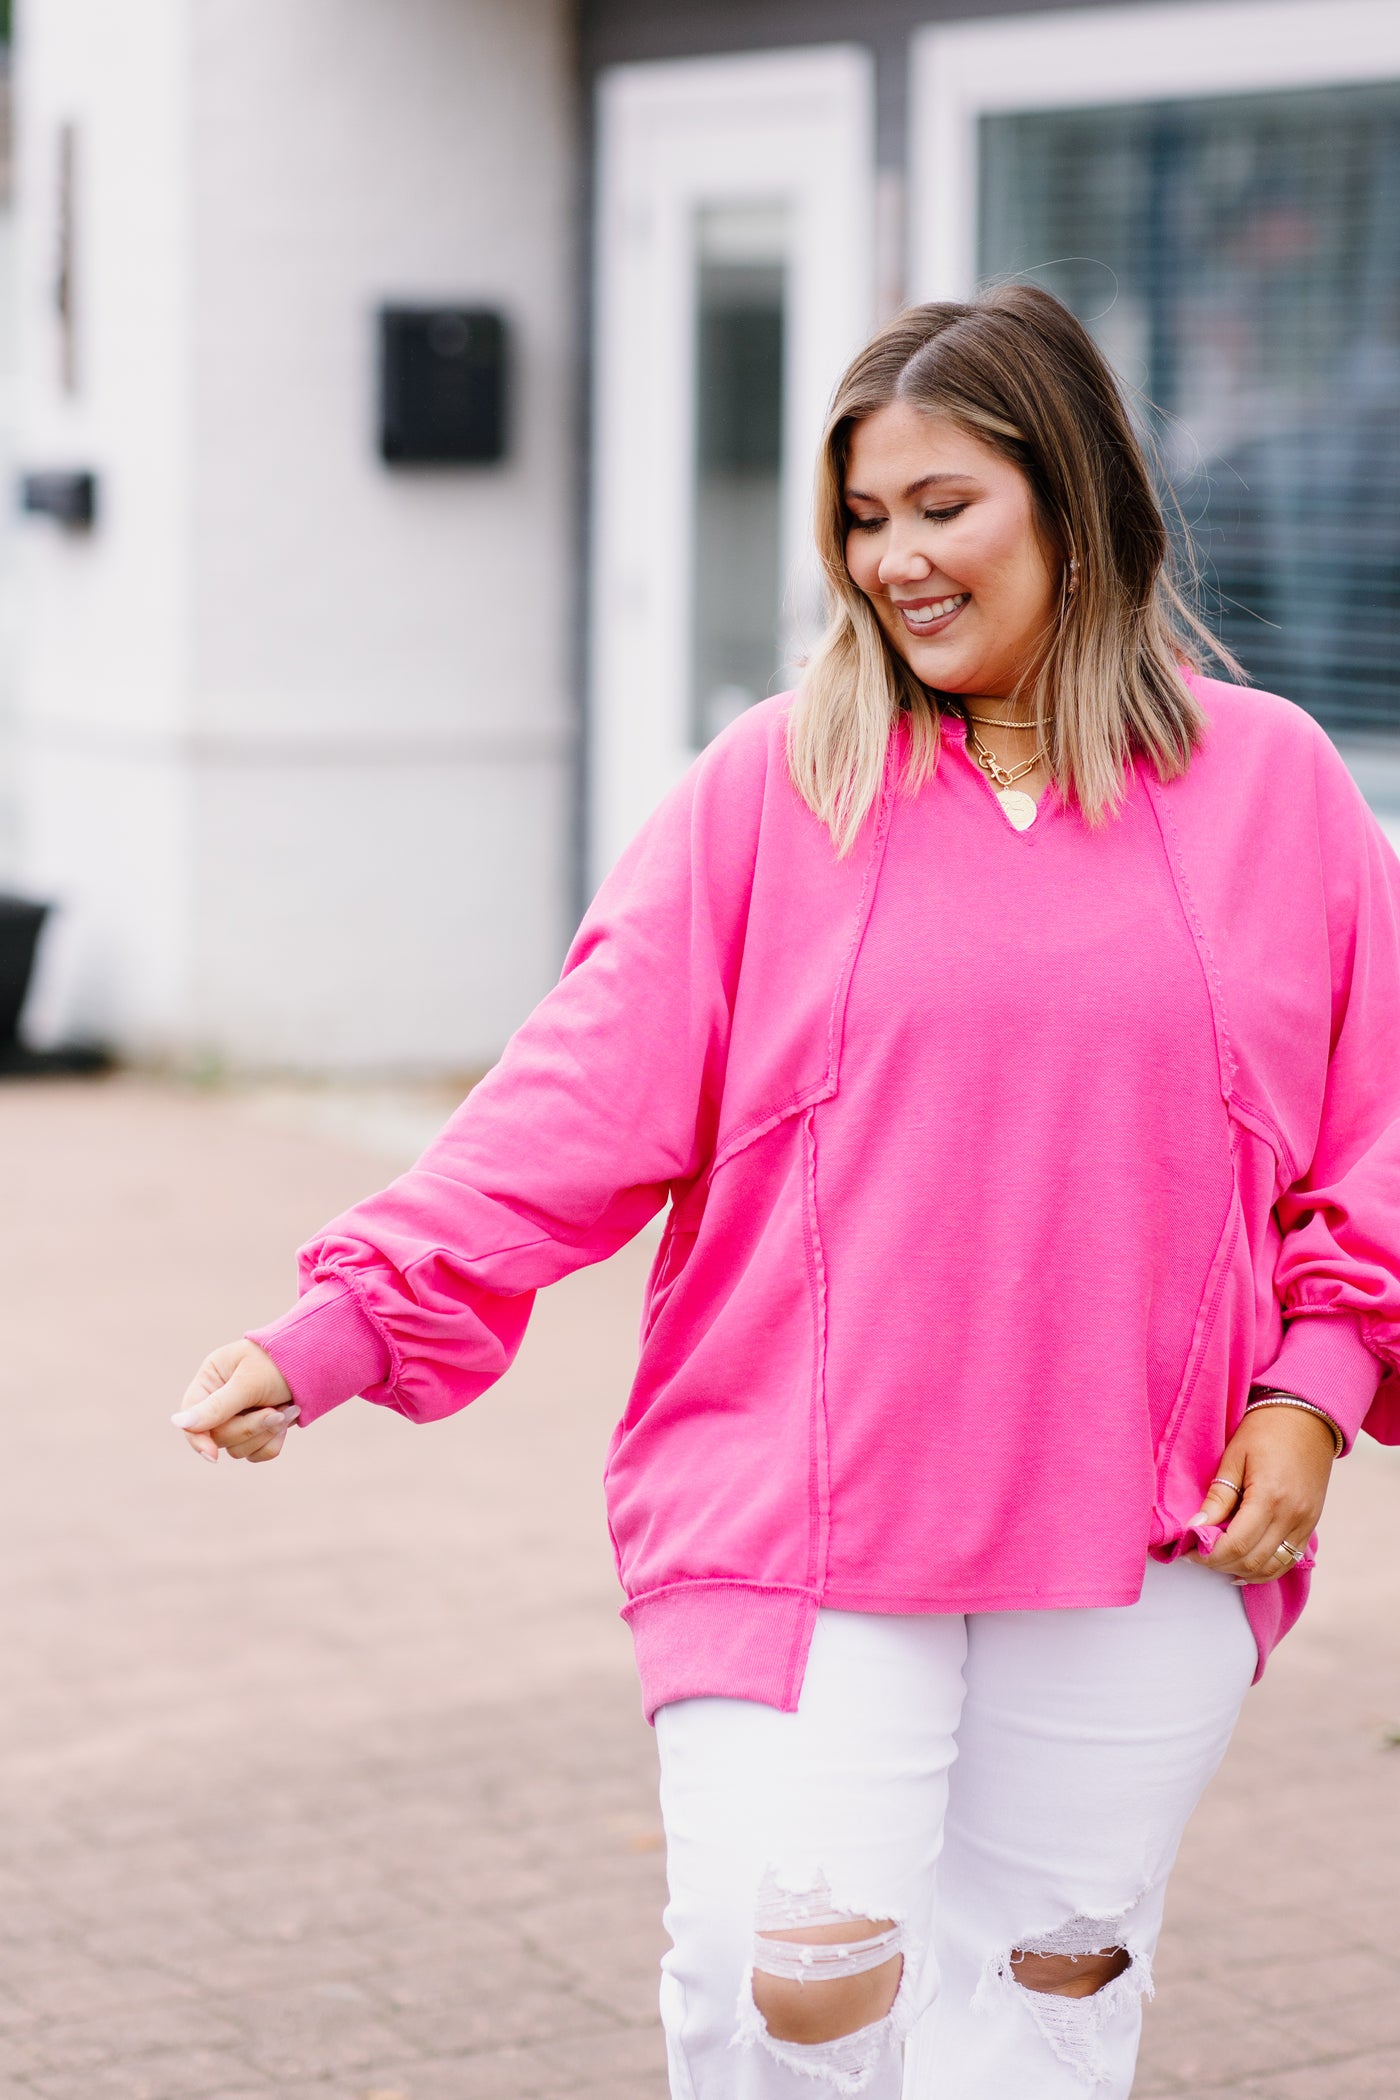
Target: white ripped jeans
[1005, 1781]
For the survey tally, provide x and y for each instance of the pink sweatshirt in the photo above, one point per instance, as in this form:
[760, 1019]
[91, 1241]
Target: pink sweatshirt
[998, 1165]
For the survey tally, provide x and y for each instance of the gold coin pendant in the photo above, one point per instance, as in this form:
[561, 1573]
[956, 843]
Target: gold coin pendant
[1019, 808]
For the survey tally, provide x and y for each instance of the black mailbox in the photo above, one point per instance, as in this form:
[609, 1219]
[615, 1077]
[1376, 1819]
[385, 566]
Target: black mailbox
[68, 495]
[442, 385]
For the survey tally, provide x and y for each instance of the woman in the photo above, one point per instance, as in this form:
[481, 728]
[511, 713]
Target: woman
[1008, 1020]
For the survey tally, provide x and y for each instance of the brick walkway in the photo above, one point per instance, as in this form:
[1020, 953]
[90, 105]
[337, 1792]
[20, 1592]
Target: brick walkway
[285, 1811]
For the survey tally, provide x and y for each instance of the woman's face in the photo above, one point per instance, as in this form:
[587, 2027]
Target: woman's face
[942, 538]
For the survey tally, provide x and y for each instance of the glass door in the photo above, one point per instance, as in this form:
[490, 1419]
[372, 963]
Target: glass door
[734, 280]
[737, 642]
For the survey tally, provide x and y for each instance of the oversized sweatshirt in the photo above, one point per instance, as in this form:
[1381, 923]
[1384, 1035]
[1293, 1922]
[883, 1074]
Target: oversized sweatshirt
[997, 1165]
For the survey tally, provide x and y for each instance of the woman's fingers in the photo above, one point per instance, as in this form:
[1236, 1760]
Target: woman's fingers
[1258, 1526]
[1267, 1561]
[1275, 1567]
[1267, 1518]
[271, 1448]
[245, 1436]
[1256, 1555]
[1221, 1501]
[239, 1402]
[233, 1381]
[1267, 1565]
[1281, 1458]
[264, 1445]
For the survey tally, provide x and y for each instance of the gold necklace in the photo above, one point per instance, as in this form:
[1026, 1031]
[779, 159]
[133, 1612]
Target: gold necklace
[992, 722]
[1018, 807]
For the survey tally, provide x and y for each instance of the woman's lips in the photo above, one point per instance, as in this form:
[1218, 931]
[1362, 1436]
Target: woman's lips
[925, 616]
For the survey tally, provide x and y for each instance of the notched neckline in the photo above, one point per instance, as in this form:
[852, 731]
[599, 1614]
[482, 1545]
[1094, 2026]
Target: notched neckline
[954, 727]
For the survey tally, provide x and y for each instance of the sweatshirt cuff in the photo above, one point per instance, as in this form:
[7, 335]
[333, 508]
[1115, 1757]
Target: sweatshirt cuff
[327, 1348]
[1323, 1359]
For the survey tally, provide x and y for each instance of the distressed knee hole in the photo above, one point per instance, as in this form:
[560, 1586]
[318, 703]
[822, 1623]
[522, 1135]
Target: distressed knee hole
[1069, 1975]
[1075, 1981]
[824, 1985]
[816, 1983]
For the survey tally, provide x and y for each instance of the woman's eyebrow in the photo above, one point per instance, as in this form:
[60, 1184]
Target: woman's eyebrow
[915, 488]
[927, 481]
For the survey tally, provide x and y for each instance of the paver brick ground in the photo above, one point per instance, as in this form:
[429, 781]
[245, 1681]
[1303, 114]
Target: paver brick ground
[327, 1781]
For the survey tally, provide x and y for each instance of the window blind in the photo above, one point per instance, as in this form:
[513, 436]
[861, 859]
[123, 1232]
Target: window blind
[1238, 260]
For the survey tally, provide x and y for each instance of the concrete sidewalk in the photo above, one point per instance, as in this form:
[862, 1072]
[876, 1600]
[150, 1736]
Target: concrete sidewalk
[328, 1778]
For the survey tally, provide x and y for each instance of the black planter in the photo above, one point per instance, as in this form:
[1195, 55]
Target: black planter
[21, 923]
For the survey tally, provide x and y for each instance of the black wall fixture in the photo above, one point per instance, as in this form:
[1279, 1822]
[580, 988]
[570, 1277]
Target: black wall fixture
[21, 923]
[69, 495]
[442, 385]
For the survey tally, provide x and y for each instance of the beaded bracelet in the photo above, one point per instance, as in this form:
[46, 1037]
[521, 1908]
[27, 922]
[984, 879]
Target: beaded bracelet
[1268, 1397]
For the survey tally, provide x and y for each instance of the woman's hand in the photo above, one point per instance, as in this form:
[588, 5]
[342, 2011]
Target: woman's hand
[1282, 1459]
[239, 1402]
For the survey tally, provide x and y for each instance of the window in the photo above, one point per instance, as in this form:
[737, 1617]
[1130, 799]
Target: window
[741, 267]
[1238, 258]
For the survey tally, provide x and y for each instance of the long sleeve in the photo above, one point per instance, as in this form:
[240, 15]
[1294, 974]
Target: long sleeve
[1338, 1271]
[605, 1099]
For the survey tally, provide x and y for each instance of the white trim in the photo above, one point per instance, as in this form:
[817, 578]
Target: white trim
[1082, 57]
[796, 127]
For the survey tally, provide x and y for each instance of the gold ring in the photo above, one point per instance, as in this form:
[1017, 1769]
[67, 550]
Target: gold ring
[1294, 1553]
[1221, 1482]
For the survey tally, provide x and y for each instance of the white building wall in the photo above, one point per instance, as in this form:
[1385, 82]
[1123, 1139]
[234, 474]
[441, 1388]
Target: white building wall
[9, 537]
[336, 693]
[103, 687]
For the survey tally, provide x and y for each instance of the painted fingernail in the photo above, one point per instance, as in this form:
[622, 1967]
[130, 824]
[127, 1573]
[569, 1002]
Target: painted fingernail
[185, 1418]
[212, 1456]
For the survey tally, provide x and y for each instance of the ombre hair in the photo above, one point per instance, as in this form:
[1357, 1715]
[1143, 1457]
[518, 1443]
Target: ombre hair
[1018, 371]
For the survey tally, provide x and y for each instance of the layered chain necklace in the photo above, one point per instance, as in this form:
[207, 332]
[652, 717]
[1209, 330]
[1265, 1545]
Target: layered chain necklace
[1018, 806]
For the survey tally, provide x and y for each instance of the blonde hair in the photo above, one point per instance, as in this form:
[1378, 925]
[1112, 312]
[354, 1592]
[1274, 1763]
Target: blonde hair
[1017, 370]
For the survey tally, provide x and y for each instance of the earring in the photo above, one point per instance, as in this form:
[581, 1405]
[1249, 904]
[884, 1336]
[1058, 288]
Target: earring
[1072, 578]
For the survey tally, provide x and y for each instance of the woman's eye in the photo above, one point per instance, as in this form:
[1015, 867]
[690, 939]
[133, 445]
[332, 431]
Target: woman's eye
[941, 517]
[866, 524]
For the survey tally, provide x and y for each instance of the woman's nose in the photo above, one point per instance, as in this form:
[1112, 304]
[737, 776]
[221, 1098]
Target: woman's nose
[903, 561]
